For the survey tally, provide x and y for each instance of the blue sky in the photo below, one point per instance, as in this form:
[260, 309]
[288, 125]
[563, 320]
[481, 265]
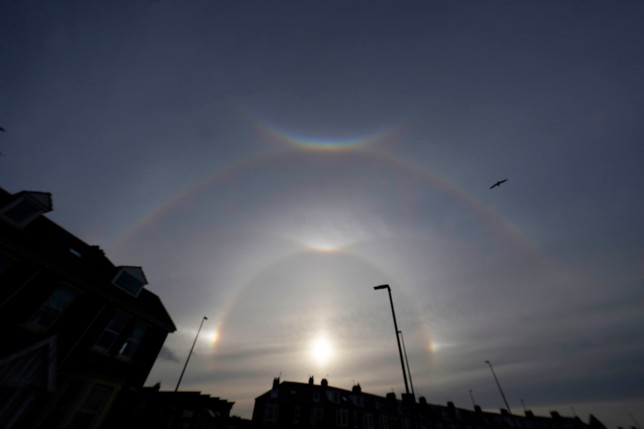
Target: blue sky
[268, 163]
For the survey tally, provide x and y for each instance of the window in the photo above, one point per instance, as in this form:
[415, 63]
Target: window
[111, 333]
[130, 346]
[271, 413]
[51, 310]
[296, 415]
[130, 280]
[26, 207]
[368, 421]
[342, 418]
[75, 252]
[333, 396]
[384, 422]
[91, 407]
[317, 415]
[187, 418]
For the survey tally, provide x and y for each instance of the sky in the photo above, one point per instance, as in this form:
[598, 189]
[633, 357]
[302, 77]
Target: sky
[269, 163]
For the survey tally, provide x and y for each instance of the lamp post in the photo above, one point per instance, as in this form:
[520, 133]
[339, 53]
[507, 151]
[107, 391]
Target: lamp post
[499, 385]
[402, 362]
[190, 353]
[411, 384]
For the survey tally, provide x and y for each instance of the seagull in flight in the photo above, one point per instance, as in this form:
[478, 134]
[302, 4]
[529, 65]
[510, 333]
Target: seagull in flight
[498, 183]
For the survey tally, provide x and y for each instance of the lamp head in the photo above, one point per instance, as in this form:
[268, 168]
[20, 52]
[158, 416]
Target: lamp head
[205, 318]
[381, 287]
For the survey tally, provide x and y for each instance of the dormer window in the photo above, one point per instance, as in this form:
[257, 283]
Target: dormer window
[25, 207]
[130, 280]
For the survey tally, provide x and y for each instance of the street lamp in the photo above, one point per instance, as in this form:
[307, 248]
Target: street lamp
[411, 384]
[402, 362]
[499, 385]
[190, 353]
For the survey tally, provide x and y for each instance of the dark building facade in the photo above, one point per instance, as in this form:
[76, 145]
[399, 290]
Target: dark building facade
[290, 405]
[152, 408]
[307, 405]
[77, 330]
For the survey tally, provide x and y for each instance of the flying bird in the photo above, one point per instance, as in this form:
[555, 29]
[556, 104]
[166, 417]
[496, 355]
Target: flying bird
[498, 183]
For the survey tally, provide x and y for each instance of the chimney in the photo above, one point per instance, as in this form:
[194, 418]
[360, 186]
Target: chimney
[555, 415]
[324, 383]
[477, 409]
[356, 388]
[275, 390]
[529, 414]
[422, 400]
[311, 381]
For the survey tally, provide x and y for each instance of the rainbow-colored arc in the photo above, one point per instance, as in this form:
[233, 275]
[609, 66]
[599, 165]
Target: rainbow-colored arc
[297, 145]
[321, 143]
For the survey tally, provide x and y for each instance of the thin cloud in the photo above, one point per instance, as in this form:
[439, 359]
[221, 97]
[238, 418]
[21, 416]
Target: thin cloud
[168, 355]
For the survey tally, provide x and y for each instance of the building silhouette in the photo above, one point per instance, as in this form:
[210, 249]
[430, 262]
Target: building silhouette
[77, 331]
[307, 405]
[152, 408]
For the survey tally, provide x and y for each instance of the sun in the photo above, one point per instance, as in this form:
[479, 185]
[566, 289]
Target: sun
[212, 337]
[321, 350]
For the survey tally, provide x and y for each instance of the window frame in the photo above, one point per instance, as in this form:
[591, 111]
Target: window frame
[271, 413]
[113, 330]
[25, 208]
[53, 308]
[342, 418]
[86, 409]
[137, 333]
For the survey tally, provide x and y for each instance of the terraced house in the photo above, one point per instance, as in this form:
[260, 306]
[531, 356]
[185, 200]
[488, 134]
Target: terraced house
[291, 405]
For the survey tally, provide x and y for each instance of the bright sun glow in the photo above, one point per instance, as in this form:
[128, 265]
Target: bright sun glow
[321, 350]
[322, 245]
[212, 337]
